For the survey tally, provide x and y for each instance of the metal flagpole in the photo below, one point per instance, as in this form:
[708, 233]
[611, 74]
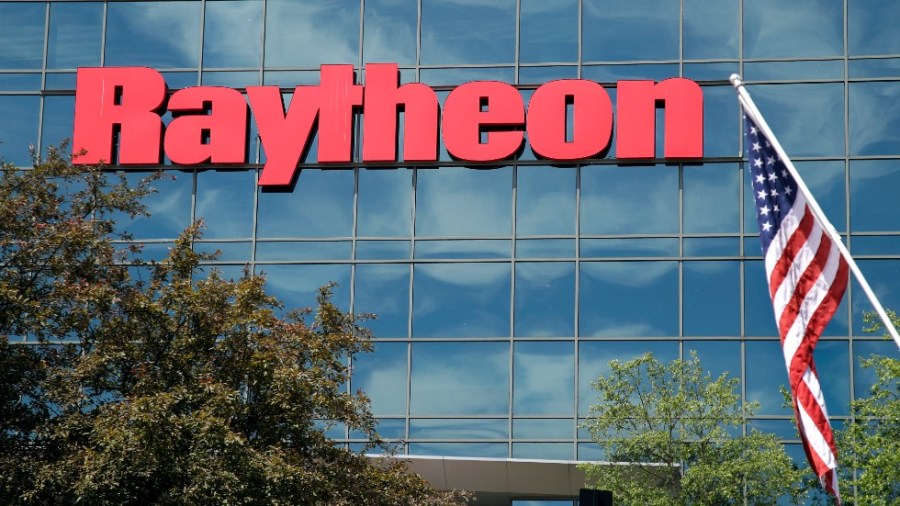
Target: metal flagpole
[751, 110]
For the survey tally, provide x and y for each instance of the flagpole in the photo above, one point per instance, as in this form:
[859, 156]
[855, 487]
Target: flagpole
[751, 110]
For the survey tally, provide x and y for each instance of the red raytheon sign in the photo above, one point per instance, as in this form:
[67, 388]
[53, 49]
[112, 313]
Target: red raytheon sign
[120, 108]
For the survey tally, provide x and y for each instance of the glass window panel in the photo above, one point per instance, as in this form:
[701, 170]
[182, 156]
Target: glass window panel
[807, 118]
[759, 319]
[545, 299]
[457, 76]
[613, 72]
[467, 428]
[298, 285]
[827, 182]
[169, 206]
[711, 29]
[75, 33]
[385, 203]
[462, 249]
[791, 70]
[709, 71]
[278, 251]
[873, 106]
[543, 428]
[720, 109]
[711, 246]
[766, 374]
[548, 31]
[19, 136]
[228, 272]
[609, 204]
[545, 248]
[59, 118]
[875, 245]
[290, 78]
[614, 248]
[628, 299]
[381, 374]
[630, 30]
[393, 428]
[547, 451]
[874, 67]
[545, 201]
[63, 81]
[390, 31]
[21, 35]
[594, 358]
[155, 34]
[226, 251]
[460, 31]
[382, 250]
[461, 300]
[384, 290]
[590, 452]
[711, 198]
[154, 251]
[464, 202]
[870, 26]
[308, 34]
[712, 304]
[872, 194]
[468, 378]
[544, 378]
[320, 205]
[488, 450]
[716, 357]
[225, 202]
[803, 28]
[20, 82]
[865, 377]
[783, 429]
[231, 36]
[884, 278]
[833, 359]
[230, 79]
[541, 75]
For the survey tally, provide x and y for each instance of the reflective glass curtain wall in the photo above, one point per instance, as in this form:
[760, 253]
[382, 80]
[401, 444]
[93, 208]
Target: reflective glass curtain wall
[503, 291]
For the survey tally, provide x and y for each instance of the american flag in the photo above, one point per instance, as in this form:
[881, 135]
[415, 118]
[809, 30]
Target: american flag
[807, 277]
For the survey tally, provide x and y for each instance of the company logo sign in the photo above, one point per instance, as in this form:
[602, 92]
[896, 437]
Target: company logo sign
[118, 117]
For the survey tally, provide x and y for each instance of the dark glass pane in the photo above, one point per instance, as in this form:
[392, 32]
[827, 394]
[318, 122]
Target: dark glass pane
[759, 318]
[874, 67]
[230, 79]
[286, 251]
[872, 205]
[803, 28]
[298, 285]
[722, 110]
[865, 377]
[459, 32]
[20, 82]
[545, 248]
[541, 75]
[594, 358]
[382, 375]
[875, 245]
[766, 374]
[169, 206]
[609, 203]
[711, 246]
[20, 135]
[543, 428]
[390, 31]
[627, 299]
[870, 27]
[308, 34]
[385, 203]
[461, 300]
[884, 278]
[321, 205]
[465, 428]
[21, 35]
[548, 31]
[617, 72]
[457, 76]
[785, 70]
[709, 71]
[833, 365]
[711, 198]
[75, 33]
[59, 114]
[808, 119]
[711, 29]
[487, 450]
[155, 34]
[873, 107]
[545, 299]
[225, 202]
[64, 81]
[460, 379]
[464, 202]
[712, 304]
[618, 248]
[384, 290]
[544, 378]
[630, 30]
[545, 201]
[231, 36]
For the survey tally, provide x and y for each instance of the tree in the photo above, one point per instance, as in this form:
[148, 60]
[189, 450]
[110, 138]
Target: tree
[186, 388]
[669, 430]
[870, 445]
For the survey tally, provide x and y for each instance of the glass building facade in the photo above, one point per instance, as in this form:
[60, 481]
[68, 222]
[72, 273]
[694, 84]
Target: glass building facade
[502, 291]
